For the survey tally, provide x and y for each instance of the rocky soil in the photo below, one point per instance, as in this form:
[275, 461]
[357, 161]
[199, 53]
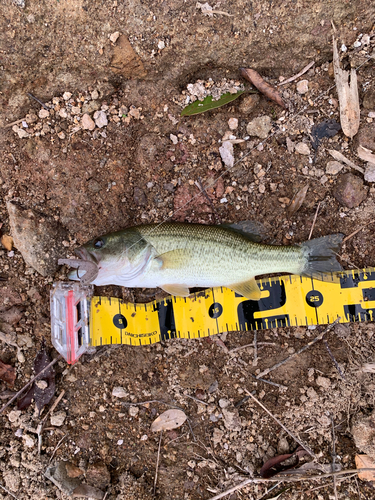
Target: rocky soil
[103, 147]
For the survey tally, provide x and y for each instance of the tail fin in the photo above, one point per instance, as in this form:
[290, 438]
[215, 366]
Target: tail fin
[321, 256]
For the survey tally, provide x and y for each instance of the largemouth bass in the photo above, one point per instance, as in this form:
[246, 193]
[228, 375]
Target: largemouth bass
[179, 256]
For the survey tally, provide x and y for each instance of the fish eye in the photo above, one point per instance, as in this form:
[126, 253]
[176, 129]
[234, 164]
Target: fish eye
[98, 243]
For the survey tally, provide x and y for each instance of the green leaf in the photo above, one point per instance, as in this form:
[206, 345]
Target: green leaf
[197, 107]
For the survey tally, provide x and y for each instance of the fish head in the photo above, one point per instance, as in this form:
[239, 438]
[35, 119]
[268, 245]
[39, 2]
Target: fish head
[119, 257]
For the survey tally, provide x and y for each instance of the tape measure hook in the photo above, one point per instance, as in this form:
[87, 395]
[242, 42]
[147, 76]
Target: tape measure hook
[70, 315]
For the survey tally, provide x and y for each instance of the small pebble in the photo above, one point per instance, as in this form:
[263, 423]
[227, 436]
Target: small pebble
[94, 95]
[22, 134]
[43, 113]
[57, 419]
[114, 36]
[173, 138]
[259, 127]
[67, 96]
[161, 45]
[334, 167]
[233, 123]
[63, 113]
[119, 392]
[303, 86]
[100, 119]
[133, 411]
[302, 148]
[370, 172]
[61, 135]
[87, 122]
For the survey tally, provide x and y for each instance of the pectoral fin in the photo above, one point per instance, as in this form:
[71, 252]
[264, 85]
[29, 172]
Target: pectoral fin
[179, 290]
[248, 289]
[175, 259]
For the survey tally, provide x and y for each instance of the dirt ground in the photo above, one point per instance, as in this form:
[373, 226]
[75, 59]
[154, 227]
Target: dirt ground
[142, 165]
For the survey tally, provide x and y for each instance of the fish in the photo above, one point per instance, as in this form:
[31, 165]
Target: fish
[180, 256]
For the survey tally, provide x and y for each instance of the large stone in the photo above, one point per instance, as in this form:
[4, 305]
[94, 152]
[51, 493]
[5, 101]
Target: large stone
[363, 432]
[37, 237]
[125, 61]
[350, 190]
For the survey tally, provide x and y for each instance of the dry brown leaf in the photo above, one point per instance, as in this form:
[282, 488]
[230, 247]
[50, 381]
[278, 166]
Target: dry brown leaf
[365, 462]
[254, 77]
[340, 157]
[7, 373]
[7, 242]
[366, 154]
[347, 94]
[297, 200]
[170, 419]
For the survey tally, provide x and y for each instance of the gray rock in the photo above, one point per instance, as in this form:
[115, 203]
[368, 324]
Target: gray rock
[302, 86]
[369, 99]
[57, 419]
[366, 136]
[232, 420]
[302, 148]
[87, 122]
[91, 106]
[37, 237]
[350, 190]
[59, 476]
[249, 103]
[370, 172]
[259, 127]
[363, 433]
[139, 197]
[100, 119]
[334, 167]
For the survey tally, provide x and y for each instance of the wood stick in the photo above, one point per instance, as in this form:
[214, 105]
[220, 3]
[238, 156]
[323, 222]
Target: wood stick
[287, 480]
[310, 452]
[302, 72]
[157, 463]
[315, 217]
[319, 337]
[30, 382]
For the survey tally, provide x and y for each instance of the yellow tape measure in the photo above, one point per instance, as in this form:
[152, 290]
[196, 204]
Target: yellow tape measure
[285, 301]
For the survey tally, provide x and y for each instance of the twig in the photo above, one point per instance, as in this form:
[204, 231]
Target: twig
[39, 429]
[9, 493]
[30, 382]
[255, 360]
[196, 399]
[305, 447]
[297, 353]
[235, 349]
[125, 403]
[157, 463]
[57, 447]
[302, 72]
[37, 100]
[333, 456]
[333, 359]
[269, 382]
[356, 231]
[204, 192]
[286, 480]
[315, 217]
[14, 123]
